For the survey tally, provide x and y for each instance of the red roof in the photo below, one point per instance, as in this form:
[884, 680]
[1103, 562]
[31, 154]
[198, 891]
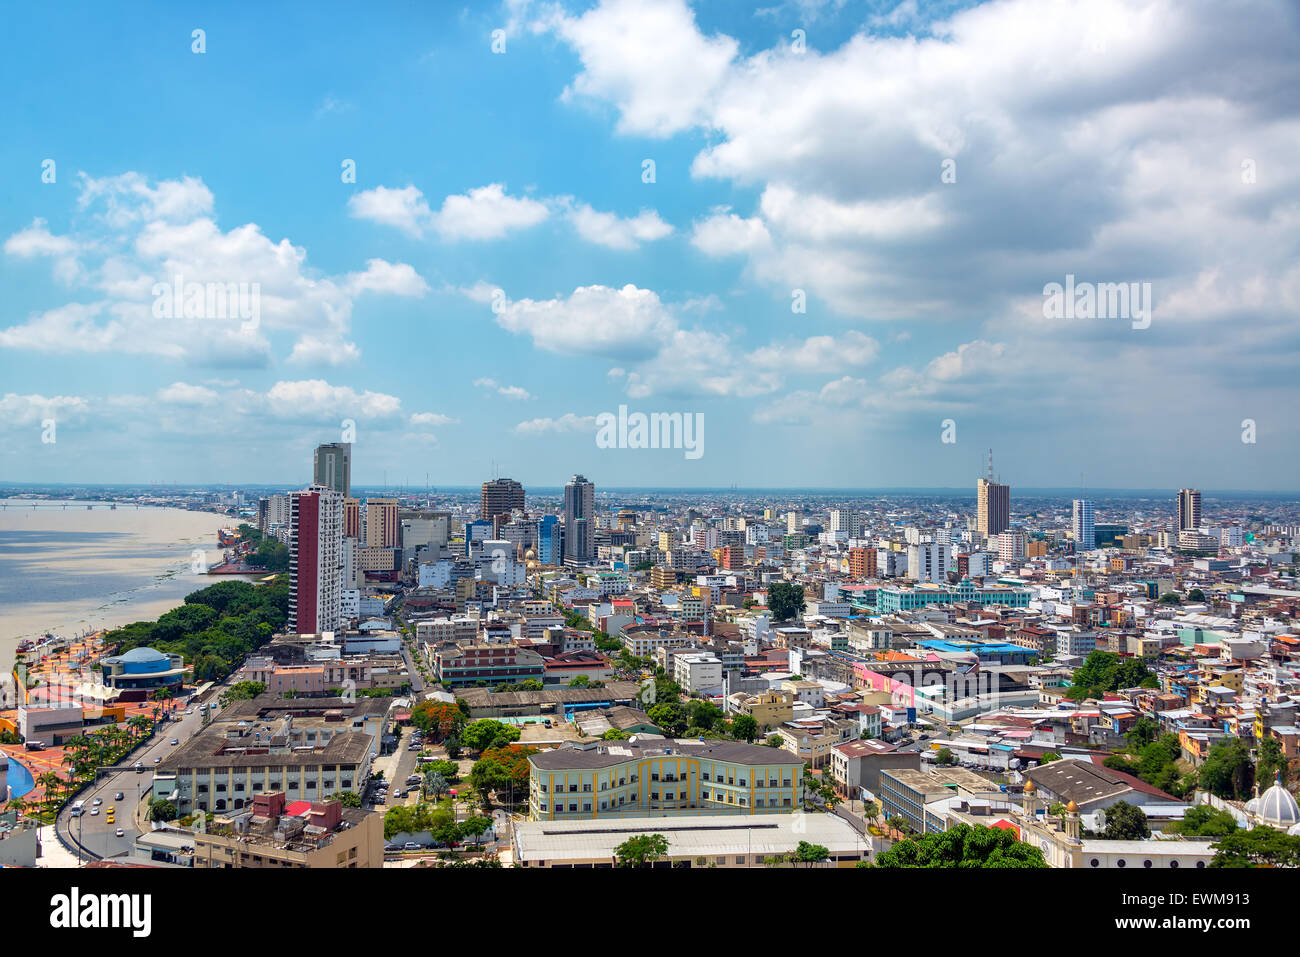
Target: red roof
[298, 808]
[1006, 825]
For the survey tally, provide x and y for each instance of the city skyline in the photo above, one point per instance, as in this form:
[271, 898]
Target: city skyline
[589, 207]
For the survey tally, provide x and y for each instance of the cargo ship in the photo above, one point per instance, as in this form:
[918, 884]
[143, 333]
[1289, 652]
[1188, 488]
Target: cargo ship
[227, 537]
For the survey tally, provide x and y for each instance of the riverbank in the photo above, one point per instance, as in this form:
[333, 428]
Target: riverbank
[77, 570]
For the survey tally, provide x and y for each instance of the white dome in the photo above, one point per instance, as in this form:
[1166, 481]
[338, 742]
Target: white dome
[1252, 806]
[1294, 830]
[1278, 808]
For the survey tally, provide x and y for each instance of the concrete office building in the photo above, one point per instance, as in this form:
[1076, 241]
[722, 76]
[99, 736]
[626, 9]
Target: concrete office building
[332, 467]
[1189, 509]
[579, 520]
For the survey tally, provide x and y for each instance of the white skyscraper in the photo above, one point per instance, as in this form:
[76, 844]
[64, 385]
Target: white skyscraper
[1085, 535]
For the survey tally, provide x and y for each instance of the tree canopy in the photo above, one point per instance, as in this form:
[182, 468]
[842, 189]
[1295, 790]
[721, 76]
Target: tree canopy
[963, 846]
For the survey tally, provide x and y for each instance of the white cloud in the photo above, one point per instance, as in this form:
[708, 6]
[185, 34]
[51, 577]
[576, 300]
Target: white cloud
[723, 233]
[317, 400]
[487, 213]
[182, 393]
[430, 420]
[608, 229]
[508, 391]
[150, 237]
[650, 60]
[819, 353]
[569, 422]
[593, 320]
[403, 209]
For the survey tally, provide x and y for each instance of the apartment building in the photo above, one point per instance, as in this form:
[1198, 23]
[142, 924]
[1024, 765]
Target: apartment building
[468, 663]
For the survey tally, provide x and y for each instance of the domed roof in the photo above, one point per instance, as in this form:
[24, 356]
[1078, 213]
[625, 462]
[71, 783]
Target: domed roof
[142, 654]
[1072, 807]
[1278, 807]
[1294, 830]
[1030, 787]
[529, 555]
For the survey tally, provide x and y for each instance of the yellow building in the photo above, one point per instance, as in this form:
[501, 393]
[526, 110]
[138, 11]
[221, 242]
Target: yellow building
[662, 777]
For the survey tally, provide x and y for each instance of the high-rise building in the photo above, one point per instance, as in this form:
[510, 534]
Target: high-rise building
[862, 562]
[930, 562]
[332, 467]
[579, 520]
[794, 523]
[1189, 509]
[1083, 526]
[315, 561]
[383, 529]
[352, 518]
[993, 514]
[550, 540]
[846, 521]
[498, 499]
[1011, 546]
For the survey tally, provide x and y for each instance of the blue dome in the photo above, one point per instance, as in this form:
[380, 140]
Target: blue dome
[142, 654]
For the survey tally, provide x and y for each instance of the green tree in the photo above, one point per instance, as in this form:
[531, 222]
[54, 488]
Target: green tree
[241, 691]
[1261, 846]
[162, 810]
[1228, 771]
[641, 850]
[1202, 820]
[1126, 822]
[963, 846]
[744, 728]
[349, 798]
[486, 733]
[670, 718]
[785, 600]
[1271, 764]
[1048, 757]
[810, 854]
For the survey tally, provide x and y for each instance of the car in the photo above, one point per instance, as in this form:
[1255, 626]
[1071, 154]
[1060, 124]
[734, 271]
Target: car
[119, 796]
[98, 801]
[111, 809]
[189, 710]
[94, 811]
[410, 846]
[119, 833]
[139, 768]
[109, 819]
[157, 758]
[392, 847]
[175, 741]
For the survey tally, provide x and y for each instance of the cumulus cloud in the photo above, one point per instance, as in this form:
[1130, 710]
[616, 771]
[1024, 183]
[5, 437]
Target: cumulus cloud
[569, 422]
[152, 239]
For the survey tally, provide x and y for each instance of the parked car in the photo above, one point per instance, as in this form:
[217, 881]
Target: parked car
[410, 846]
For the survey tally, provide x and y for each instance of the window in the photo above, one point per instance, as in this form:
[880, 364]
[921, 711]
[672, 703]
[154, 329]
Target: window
[1173, 863]
[587, 787]
[1121, 863]
[1146, 863]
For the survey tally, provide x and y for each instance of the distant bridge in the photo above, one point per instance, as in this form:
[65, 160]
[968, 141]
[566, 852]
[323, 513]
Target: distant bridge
[23, 506]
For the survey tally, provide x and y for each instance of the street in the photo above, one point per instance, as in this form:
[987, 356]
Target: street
[93, 831]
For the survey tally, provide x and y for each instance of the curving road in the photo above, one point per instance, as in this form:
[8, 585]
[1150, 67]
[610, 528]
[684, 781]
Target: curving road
[91, 834]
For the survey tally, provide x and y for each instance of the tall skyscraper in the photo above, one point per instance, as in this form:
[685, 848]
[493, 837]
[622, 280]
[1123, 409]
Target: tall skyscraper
[315, 561]
[1189, 509]
[332, 467]
[993, 509]
[383, 530]
[550, 540]
[579, 520]
[1083, 526]
[498, 498]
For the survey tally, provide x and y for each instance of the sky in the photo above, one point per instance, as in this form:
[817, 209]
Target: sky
[826, 230]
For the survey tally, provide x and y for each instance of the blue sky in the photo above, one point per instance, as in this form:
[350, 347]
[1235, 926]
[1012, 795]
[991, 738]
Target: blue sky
[1139, 141]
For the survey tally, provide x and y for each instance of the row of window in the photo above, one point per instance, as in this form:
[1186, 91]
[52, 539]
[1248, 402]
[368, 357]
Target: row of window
[273, 786]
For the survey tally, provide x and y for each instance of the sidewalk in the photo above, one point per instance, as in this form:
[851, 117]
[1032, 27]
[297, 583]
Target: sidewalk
[53, 853]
